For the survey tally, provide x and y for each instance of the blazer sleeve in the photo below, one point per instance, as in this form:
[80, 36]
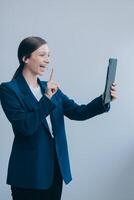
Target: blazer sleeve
[83, 112]
[24, 122]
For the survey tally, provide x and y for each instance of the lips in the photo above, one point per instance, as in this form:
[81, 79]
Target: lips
[42, 66]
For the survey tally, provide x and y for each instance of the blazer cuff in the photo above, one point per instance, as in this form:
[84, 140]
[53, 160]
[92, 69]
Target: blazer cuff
[107, 105]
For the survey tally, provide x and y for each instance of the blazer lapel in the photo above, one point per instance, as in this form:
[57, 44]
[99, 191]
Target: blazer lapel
[28, 97]
[31, 102]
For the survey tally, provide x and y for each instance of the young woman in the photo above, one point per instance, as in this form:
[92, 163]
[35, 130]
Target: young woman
[39, 159]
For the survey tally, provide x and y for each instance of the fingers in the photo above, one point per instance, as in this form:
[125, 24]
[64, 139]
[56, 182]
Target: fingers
[114, 91]
[114, 84]
[51, 75]
[114, 95]
[51, 83]
[113, 88]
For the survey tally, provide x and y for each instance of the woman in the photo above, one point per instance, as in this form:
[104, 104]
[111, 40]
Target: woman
[39, 159]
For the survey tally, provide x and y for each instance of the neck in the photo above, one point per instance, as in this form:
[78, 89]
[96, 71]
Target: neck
[30, 77]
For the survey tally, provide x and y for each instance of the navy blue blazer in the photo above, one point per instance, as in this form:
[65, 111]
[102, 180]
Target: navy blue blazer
[32, 155]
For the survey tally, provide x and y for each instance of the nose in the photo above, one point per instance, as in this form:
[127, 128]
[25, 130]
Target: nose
[47, 60]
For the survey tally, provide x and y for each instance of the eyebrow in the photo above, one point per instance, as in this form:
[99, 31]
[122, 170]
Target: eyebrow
[44, 52]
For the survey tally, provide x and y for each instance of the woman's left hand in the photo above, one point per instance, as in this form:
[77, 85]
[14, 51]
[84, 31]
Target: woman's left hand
[114, 91]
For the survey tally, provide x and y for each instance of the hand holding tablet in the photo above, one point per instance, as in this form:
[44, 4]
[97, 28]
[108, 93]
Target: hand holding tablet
[109, 92]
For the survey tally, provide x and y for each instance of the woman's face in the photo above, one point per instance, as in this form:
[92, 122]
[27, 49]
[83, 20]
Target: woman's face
[38, 60]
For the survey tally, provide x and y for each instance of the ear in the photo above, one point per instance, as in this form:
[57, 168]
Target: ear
[25, 60]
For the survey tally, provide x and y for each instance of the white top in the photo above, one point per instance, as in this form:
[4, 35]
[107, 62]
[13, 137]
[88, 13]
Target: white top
[37, 93]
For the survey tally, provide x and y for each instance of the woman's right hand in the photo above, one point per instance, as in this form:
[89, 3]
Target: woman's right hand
[52, 87]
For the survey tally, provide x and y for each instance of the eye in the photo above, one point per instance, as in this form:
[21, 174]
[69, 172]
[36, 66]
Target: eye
[42, 54]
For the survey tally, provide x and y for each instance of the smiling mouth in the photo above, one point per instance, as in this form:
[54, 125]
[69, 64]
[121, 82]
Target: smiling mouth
[42, 66]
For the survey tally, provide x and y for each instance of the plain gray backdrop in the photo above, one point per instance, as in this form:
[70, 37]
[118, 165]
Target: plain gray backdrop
[82, 35]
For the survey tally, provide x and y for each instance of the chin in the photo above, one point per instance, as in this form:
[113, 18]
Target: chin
[41, 74]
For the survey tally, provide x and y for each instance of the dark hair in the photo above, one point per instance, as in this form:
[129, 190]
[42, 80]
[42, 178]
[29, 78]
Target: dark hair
[26, 47]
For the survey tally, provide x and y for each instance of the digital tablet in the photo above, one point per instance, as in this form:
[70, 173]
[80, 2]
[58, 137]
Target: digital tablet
[110, 78]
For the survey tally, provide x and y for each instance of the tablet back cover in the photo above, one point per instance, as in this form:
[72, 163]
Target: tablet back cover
[111, 71]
